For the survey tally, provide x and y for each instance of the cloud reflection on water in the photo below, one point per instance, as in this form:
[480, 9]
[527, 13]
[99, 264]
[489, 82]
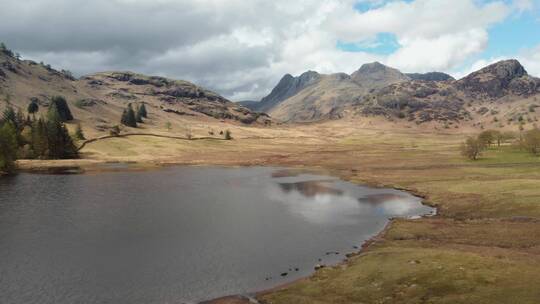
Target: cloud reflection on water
[322, 202]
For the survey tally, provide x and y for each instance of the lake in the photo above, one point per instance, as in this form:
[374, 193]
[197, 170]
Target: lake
[180, 234]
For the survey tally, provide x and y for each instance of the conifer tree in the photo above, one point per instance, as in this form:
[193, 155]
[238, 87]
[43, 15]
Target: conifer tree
[9, 115]
[16, 120]
[20, 121]
[128, 117]
[8, 147]
[62, 108]
[39, 143]
[142, 111]
[60, 145]
[33, 107]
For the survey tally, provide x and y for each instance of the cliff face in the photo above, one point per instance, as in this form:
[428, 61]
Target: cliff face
[288, 86]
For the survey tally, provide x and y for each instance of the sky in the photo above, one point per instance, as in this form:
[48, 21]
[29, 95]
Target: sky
[241, 48]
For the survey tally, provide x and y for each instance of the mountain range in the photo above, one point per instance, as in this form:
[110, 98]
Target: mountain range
[499, 93]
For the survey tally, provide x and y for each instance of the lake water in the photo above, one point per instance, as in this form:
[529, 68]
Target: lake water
[178, 235]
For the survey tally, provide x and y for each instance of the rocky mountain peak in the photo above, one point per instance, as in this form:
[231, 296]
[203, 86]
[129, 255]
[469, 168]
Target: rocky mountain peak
[309, 75]
[504, 70]
[288, 86]
[500, 78]
[377, 75]
[373, 67]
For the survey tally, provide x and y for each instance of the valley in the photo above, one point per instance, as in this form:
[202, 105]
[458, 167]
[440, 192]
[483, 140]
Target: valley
[483, 246]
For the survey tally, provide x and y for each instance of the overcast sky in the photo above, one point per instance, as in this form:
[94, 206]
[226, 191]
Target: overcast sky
[241, 48]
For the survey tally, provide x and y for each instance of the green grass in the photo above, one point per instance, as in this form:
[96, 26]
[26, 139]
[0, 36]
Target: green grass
[396, 274]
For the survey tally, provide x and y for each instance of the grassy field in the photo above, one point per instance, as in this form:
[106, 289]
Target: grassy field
[482, 247]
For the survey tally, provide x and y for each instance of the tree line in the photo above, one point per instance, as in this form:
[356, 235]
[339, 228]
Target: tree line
[474, 146]
[27, 137]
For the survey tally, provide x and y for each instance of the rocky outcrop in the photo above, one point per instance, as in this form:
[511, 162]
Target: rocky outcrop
[499, 79]
[418, 101]
[9, 66]
[89, 102]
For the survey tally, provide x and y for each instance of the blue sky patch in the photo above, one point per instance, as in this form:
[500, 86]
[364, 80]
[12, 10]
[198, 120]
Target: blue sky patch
[366, 5]
[513, 34]
[519, 31]
[384, 44]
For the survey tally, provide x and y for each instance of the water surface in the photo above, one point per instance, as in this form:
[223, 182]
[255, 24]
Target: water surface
[178, 235]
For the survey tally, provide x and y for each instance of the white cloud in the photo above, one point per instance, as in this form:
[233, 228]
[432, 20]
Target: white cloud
[441, 53]
[531, 60]
[433, 34]
[523, 5]
[241, 48]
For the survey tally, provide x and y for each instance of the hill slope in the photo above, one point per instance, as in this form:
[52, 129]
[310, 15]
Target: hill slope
[98, 100]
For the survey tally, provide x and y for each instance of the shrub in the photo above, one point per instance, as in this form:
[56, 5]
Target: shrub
[79, 135]
[488, 137]
[114, 131]
[472, 148]
[79, 103]
[228, 135]
[531, 141]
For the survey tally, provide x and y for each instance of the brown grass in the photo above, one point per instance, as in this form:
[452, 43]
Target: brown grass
[482, 247]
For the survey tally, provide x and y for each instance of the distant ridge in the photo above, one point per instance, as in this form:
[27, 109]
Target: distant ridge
[377, 90]
[431, 76]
